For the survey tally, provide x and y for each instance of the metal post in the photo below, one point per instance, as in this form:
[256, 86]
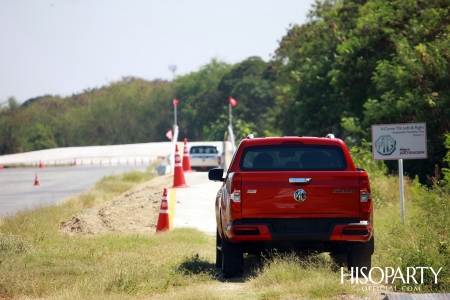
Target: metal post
[229, 111]
[174, 137]
[402, 199]
[230, 131]
[231, 134]
[175, 115]
[175, 104]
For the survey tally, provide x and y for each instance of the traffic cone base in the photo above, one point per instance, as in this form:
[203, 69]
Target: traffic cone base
[163, 218]
[178, 176]
[36, 180]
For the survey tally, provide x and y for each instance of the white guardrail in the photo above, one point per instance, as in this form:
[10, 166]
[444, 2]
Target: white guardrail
[144, 153]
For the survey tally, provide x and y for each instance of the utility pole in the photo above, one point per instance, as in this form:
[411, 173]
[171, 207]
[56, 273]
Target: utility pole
[173, 68]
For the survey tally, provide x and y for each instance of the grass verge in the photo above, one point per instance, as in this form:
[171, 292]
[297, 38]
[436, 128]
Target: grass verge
[422, 241]
[38, 261]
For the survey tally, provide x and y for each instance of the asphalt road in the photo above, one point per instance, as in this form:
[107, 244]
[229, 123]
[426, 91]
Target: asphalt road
[17, 189]
[18, 192]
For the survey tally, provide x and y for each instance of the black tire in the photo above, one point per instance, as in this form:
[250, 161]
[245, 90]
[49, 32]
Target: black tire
[218, 250]
[232, 259]
[360, 257]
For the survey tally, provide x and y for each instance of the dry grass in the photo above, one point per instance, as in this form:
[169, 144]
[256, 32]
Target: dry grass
[38, 261]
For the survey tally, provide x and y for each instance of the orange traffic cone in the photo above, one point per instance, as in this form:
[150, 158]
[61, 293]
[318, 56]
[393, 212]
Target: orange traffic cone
[41, 164]
[163, 218]
[36, 180]
[178, 177]
[74, 161]
[186, 159]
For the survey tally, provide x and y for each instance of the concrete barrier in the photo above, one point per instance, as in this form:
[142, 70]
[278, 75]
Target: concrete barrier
[105, 155]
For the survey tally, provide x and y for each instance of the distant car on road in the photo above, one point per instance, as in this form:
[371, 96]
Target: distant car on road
[204, 158]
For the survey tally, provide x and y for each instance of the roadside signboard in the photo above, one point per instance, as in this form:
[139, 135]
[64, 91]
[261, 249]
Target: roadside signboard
[399, 141]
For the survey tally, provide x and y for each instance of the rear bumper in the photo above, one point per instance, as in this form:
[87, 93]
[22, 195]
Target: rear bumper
[353, 232]
[204, 167]
[210, 162]
[246, 231]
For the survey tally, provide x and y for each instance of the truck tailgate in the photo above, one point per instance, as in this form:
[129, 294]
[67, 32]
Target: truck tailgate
[327, 194]
[203, 159]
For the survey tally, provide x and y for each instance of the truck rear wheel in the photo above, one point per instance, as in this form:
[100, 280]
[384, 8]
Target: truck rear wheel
[361, 264]
[232, 259]
[360, 256]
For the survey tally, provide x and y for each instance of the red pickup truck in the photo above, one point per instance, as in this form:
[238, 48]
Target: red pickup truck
[293, 193]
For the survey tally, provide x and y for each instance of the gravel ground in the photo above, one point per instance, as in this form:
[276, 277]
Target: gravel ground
[137, 210]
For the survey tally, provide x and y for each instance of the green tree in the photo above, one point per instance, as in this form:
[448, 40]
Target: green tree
[199, 101]
[358, 63]
[307, 102]
[12, 103]
[128, 111]
[251, 83]
[403, 46]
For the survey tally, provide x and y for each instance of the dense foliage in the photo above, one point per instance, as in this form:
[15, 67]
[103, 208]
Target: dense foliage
[123, 112]
[354, 63]
[359, 62]
[204, 100]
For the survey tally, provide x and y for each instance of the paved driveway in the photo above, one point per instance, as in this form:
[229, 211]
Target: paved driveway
[194, 206]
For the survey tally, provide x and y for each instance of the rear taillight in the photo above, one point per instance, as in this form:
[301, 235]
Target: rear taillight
[365, 198]
[219, 160]
[235, 197]
[365, 201]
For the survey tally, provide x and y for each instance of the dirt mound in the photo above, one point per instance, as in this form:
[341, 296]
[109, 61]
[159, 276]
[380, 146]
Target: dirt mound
[136, 210]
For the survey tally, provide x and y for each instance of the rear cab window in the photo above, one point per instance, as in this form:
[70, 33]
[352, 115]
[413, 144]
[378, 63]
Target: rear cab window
[204, 150]
[293, 158]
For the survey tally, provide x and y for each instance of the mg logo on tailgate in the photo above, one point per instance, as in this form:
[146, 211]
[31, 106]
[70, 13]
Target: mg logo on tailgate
[385, 145]
[300, 195]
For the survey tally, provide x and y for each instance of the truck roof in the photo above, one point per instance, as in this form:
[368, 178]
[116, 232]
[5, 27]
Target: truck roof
[288, 141]
[306, 140]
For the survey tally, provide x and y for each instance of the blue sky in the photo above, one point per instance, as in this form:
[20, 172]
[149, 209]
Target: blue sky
[61, 47]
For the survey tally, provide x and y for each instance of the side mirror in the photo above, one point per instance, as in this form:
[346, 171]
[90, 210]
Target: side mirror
[216, 174]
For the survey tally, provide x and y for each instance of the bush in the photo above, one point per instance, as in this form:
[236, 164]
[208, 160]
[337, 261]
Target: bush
[12, 244]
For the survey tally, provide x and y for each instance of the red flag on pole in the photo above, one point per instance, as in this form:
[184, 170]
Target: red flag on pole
[169, 134]
[175, 102]
[232, 101]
